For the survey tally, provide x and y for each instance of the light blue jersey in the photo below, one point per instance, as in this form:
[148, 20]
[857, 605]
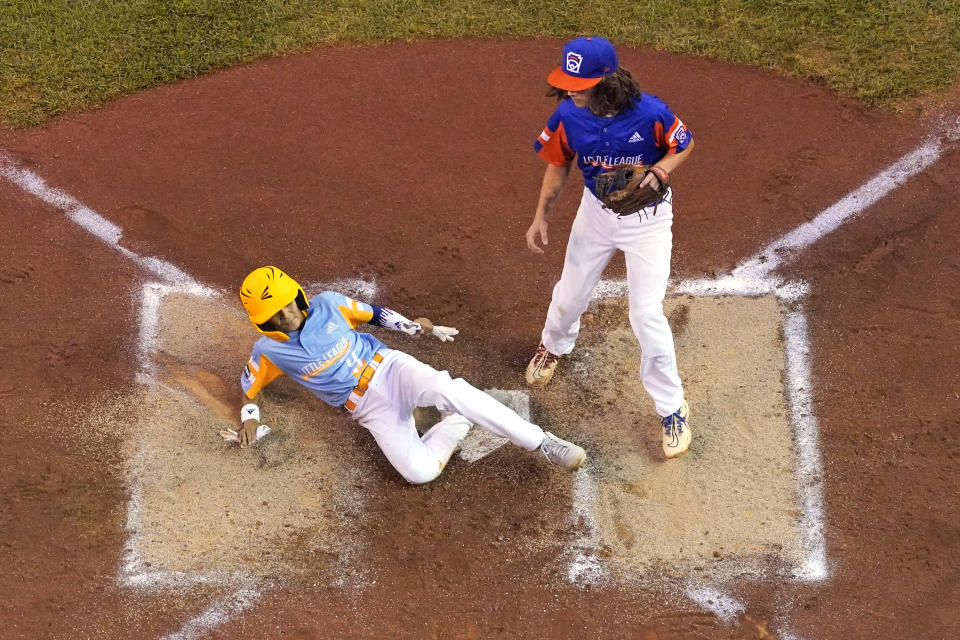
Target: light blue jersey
[326, 356]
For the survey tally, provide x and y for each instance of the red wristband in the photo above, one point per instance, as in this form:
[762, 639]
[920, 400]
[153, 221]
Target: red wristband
[662, 175]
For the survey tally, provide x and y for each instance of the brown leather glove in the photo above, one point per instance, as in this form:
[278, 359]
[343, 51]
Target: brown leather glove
[620, 190]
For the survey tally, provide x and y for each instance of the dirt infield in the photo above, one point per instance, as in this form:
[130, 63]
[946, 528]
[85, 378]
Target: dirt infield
[337, 164]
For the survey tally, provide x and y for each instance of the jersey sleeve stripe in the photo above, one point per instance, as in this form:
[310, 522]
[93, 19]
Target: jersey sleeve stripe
[356, 314]
[674, 144]
[258, 375]
[671, 135]
[658, 134]
[552, 146]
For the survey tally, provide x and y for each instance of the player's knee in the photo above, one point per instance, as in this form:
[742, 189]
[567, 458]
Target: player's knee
[449, 388]
[421, 474]
[647, 317]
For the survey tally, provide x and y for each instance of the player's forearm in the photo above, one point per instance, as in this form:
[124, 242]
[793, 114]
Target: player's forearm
[249, 408]
[671, 161]
[389, 319]
[553, 180]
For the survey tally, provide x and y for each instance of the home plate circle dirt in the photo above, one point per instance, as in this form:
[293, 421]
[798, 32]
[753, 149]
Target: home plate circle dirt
[341, 164]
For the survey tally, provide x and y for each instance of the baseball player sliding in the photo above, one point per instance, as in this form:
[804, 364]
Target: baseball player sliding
[605, 121]
[316, 343]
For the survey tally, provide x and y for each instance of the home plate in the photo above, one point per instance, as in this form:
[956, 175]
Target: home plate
[480, 442]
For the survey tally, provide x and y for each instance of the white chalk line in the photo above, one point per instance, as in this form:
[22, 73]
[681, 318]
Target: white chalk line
[854, 203]
[356, 288]
[133, 571]
[91, 221]
[585, 567]
[725, 607]
[220, 612]
[807, 437]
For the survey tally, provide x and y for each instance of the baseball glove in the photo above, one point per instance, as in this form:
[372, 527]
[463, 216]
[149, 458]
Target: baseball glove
[620, 191]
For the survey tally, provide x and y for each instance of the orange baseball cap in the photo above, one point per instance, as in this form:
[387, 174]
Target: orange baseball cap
[586, 61]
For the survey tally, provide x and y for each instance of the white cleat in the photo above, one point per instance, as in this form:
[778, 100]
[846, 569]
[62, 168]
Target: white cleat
[562, 453]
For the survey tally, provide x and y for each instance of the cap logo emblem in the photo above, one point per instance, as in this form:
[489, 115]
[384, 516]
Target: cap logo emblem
[573, 62]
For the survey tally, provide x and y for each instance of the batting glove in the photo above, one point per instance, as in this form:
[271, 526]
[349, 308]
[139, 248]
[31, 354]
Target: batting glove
[411, 328]
[444, 334]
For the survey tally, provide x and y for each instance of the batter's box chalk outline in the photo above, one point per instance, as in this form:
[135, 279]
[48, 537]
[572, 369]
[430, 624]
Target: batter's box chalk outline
[803, 422]
[134, 571]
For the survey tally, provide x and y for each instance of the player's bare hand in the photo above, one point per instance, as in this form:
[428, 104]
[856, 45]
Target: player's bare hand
[247, 434]
[537, 230]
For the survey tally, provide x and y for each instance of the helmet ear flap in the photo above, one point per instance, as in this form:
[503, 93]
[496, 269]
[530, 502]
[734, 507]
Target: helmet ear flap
[270, 332]
[302, 301]
[267, 329]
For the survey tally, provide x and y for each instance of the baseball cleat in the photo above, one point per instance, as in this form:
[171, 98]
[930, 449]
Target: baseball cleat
[541, 367]
[676, 432]
[562, 453]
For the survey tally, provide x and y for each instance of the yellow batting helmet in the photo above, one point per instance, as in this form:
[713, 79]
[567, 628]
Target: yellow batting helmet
[264, 292]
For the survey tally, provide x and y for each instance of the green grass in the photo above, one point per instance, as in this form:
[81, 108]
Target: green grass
[62, 55]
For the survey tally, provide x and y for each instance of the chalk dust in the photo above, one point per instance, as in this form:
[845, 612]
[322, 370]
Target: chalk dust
[202, 505]
[732, 497]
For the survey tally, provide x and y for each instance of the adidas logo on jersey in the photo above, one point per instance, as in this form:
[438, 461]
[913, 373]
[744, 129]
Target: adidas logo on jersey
[636, 137]
[331, 327]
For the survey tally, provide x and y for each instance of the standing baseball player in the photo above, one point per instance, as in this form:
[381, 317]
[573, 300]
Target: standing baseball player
[604, 121]
[317, 344]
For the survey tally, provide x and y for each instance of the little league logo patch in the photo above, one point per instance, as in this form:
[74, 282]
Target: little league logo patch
[681, 135]
[573, 62]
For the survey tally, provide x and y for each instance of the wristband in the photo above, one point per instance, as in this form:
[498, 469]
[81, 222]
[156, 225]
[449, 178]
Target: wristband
[662, 175]
[250, 412]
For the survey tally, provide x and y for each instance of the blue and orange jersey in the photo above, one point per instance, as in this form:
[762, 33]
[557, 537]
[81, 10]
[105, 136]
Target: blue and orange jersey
[641, 135]
[326, 355]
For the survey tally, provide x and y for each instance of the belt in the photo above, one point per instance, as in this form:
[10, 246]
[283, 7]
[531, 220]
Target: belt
[365, 376]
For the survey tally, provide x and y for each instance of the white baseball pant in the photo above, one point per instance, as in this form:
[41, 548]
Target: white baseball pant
[402, 383]
[646, 241]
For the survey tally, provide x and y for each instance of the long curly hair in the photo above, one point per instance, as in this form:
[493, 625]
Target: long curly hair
[611, 96]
